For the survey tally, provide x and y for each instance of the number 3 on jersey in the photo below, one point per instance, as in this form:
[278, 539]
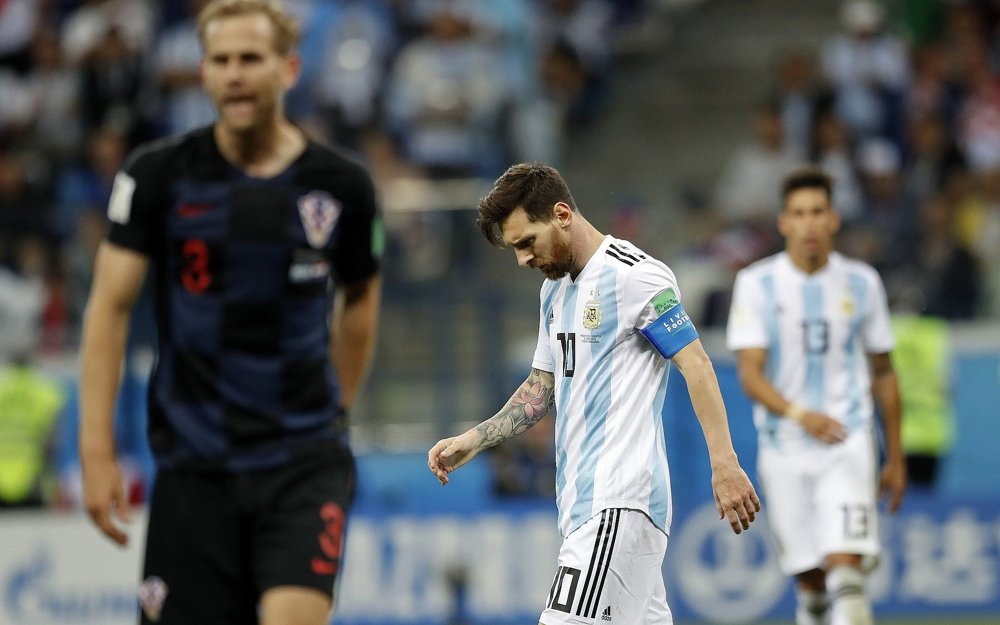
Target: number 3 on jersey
[568, 342]
[196, 274]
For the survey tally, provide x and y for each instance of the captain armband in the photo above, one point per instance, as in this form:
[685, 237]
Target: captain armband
[671, 332]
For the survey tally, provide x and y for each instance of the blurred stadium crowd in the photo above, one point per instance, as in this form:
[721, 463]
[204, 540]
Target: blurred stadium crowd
[901, 104]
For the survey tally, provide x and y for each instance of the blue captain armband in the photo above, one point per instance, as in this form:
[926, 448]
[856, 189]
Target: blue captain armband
[671, 332]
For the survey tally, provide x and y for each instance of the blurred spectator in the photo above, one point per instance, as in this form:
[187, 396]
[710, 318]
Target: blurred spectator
[23, 210]
[351, 42]
[19, 20]
[922, 361]
[748, 189]
[834, 152]
[978, 124]
[107, 40]
[944, 279]
[868, 69]
[184, 103]
[540, 117]
[54, 86]
[87, 186]
[29, 406]
[586, 27]
[796, 94]
[889, 213]
[446, 95]
[932, 159]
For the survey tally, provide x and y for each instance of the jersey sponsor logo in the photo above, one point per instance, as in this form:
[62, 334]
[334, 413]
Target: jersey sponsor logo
[193, 209]
[664, 301]
[120, 204]
[606, 614]
[552, 317]
[152, 593]
[319, 213]
[592, 311]
[308, 266]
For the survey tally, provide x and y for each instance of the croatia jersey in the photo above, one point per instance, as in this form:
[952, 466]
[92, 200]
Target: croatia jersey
[242, 271]
[610, 385]
[818, 330]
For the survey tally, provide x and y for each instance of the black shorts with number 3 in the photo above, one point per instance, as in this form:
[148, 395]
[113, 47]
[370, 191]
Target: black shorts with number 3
[216, 540]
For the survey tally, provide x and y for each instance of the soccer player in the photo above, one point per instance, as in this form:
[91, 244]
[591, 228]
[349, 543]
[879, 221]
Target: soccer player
[610, 323]
[812, 337]
[242, 227]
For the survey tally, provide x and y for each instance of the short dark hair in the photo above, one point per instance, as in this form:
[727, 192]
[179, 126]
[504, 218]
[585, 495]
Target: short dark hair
[535, 187]
[806, 178]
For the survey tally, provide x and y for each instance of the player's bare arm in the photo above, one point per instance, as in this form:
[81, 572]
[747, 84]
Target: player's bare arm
[735, 497]
[532, 400]
[750, 366]
[118, 275]
[352, 334]
[885, 390]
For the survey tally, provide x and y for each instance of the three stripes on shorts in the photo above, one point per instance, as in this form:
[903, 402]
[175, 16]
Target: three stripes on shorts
[597, 572]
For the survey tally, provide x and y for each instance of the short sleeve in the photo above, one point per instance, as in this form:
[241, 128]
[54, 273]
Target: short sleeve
[138, 202]
[878, 337]
[649, 281]
[542, 359]
[361, 239]
[745, 328]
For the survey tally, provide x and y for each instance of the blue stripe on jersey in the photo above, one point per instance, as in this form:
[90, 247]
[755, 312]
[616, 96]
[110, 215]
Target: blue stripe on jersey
[774, 349]
[566, 323]
[597, 397]
[659, 497]
[856, 357]
[816, 338]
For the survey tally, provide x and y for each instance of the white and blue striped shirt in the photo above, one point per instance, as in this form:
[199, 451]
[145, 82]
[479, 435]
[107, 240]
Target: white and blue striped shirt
[818, 330]
[610, 385]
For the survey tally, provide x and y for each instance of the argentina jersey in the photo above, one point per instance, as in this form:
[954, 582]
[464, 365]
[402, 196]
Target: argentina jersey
[610, 385]
[818, 329]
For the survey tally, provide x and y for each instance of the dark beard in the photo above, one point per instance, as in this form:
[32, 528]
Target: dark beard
[562, 261]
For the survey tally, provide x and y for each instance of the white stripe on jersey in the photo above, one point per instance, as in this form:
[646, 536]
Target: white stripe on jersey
[818, 330]
[610, 385]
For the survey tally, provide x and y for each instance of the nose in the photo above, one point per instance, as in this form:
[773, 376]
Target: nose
[523, 257]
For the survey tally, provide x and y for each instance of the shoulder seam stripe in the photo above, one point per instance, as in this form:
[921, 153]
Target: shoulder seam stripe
[636, 257]
[617, 257]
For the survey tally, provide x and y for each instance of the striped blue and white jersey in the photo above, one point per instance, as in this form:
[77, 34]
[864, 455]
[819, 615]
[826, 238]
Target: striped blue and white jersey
[609, 385]
[818, 330]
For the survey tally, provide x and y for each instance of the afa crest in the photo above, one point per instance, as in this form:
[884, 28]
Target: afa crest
[592, 314]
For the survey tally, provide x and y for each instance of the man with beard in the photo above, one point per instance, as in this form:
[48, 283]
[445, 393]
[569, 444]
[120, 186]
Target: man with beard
[262, 248]
[611, 322]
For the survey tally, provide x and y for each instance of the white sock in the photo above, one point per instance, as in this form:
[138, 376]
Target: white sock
[811, 607]
[849, 604]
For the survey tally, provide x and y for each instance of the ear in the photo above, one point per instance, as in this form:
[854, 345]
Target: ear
[293, 67]
[782, 229]
[562, 214]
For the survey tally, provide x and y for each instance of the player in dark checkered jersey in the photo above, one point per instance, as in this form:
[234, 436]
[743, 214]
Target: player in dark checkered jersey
[241, 227]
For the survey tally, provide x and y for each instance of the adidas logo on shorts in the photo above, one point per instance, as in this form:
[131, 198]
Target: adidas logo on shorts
[606, 614]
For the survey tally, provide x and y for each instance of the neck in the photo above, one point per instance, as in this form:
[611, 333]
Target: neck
[585, 243]
[809, 263]
[262, 151]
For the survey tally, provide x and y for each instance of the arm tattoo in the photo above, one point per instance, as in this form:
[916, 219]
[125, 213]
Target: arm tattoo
[532, 401]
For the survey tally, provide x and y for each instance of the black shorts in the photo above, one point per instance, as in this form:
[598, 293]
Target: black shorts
[217, 541]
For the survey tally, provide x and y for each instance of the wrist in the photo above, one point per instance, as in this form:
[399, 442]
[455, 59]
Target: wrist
[795, 412]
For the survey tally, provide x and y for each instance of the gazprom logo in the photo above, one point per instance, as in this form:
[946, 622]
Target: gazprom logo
[32, 594]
